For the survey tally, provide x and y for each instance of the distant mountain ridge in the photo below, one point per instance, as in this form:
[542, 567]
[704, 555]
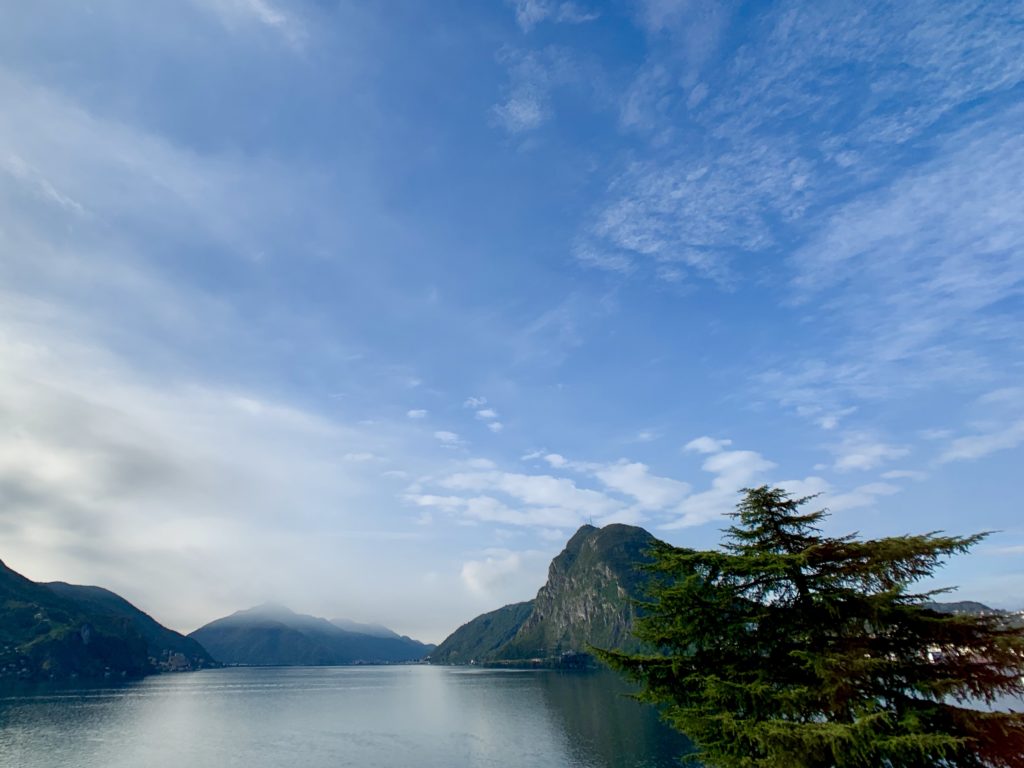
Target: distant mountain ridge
[60, 631]
[373, 630]
[587, 600]
[272, 635]
[962, 606]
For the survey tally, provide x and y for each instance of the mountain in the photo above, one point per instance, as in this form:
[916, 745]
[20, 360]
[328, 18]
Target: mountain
[1012, 618]
[167, 649]
[961, 606]
[484, 637]
[587, 600]
[373, 630]
[60, 631]
[272, 635]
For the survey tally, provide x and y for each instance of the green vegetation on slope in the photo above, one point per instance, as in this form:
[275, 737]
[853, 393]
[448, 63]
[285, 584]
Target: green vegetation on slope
[166, 648]
[960, 606]
[62, 631]
[271, 635]
[482, 638]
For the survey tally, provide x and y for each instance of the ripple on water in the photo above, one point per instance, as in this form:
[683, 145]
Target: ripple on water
[319, 717]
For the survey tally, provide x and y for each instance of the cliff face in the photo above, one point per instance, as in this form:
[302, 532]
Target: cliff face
[587, 600]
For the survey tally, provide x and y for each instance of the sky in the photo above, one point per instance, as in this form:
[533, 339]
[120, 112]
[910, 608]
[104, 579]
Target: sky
[365, 307]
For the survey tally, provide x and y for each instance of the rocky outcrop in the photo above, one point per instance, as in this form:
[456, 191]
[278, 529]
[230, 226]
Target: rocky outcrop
[588, 597]
[588, 600]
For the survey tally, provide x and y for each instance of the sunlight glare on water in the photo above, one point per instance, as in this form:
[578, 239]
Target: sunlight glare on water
[338, 716]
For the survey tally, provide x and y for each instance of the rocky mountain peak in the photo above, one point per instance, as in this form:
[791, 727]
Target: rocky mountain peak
[587, 600]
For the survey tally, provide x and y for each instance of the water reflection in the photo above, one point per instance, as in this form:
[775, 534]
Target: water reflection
[605, 726]
[358, 716]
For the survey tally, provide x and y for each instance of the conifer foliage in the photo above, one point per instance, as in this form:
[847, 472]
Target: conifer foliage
[791, 649]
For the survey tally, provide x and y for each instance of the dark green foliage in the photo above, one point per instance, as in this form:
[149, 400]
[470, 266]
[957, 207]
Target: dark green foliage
[47, 635]
[482, 638]
[960, 606]
[788, 648]
[160, 641]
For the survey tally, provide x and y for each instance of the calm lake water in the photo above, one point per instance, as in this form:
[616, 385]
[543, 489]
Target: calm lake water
[393, 717]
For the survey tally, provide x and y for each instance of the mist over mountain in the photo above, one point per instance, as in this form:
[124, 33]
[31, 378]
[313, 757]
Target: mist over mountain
[58, 631]
[373, 630]
[273, 635]
[587, 600]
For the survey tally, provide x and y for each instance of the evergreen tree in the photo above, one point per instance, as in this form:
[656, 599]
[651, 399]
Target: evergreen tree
[788, 648]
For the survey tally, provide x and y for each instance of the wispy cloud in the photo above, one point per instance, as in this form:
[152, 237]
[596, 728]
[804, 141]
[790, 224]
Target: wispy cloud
[977, 446]
[498, 574]
[916, 282]
[684, 35]
[575, 491]
[863, 451]
[236, 13]
[905, 474]
[533, 76]
[626, 491]
[865, 495]
[361, 456]
[558, 495]
[549, 336]
[524, 109]
[752, 166]
[489, 414]
[447, 438]
[999, 426]
[732, 470]
[54, 151]
[530, 13]
[700, 20]
[707, 444]
[34, 180]
[636, 480]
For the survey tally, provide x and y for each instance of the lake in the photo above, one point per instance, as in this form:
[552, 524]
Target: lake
[392, 717]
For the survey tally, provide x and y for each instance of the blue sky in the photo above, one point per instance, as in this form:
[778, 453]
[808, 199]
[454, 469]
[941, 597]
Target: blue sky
[366, 307]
